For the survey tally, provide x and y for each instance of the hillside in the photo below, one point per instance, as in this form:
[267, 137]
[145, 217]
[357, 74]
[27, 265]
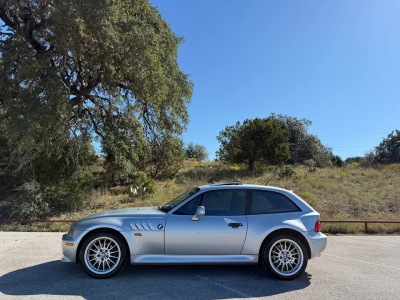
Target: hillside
[348, 193]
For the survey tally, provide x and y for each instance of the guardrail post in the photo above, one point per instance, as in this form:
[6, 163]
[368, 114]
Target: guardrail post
[366, 227]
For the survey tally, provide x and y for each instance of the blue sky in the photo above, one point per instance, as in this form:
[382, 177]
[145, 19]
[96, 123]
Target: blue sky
[336, 63]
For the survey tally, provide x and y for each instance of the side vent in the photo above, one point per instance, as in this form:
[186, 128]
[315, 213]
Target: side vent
[144, 226]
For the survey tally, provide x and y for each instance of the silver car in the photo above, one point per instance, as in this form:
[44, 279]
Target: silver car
[225, 223]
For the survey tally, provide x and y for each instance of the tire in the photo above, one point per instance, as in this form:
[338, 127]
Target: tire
[103, 254]
[285, 252]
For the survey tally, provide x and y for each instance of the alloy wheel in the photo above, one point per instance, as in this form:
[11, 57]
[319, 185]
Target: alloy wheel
[286, 257]
[102, 255]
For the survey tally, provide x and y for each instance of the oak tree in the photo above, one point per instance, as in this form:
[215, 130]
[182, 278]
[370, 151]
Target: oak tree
[254, 140]
[72, 71]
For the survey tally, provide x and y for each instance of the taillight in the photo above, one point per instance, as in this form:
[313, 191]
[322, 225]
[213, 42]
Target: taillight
[317, 226]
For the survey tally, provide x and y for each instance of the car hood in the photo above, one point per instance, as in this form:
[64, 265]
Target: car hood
[128, 212]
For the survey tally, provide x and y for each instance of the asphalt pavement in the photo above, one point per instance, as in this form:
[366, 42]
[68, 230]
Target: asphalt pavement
[352, 267]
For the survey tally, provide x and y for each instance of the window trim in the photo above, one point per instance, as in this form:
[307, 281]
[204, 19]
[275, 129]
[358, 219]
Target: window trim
[250, 202]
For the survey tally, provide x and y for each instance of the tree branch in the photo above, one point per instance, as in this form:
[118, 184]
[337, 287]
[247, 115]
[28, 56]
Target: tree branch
[6, 19]
[93, 121]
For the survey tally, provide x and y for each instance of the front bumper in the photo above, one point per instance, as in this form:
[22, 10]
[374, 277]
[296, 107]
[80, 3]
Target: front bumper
[317, 242]
[69, 246]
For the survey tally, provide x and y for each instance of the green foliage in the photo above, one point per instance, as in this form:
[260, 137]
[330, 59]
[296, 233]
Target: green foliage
[285, 171]
[353, 165]
[393, 167]
[369, 160]
[302, 145]
[196, 151]
[309, 198]
[146, 188]
[310, 163]
[165, 158]
[254, 140]
[388, 151]
[71, 193]
[76, 71]
[234, 168]
[337, 161]
[31, 201]
[352, 159]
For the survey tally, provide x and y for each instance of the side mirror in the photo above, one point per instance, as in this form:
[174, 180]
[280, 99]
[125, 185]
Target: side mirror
[200, 211]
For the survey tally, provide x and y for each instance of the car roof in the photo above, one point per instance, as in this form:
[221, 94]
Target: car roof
[239, 185]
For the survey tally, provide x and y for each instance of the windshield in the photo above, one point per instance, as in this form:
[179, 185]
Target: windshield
[171, 204]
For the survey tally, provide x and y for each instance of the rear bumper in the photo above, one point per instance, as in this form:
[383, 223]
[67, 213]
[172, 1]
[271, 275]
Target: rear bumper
[317, 242]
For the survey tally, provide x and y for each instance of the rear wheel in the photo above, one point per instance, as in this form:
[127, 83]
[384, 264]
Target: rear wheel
[102, 255]
[285, 256]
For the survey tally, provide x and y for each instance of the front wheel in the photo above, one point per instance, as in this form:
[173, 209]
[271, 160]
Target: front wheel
[102, 255]
[285, 256]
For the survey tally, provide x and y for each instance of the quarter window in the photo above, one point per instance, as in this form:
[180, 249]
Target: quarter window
[264, 202]
[225, 202]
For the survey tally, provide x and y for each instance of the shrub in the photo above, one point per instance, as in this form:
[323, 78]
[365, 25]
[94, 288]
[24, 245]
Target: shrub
[353, 165]
[234, 168]
[393, 167]
[368, 161]
[285, 171]
[337, 161]
[310, 163]
[30, 201]
[196, 151]
[145, 188]
[308, 197]
[388, 151]
[260, 166]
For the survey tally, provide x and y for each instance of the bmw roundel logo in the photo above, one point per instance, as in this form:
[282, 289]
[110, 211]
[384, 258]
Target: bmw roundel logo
[160, 226]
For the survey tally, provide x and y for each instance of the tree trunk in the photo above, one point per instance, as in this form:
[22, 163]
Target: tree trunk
[251, 165]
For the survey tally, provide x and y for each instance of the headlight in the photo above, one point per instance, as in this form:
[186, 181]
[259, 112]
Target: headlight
[71, 231]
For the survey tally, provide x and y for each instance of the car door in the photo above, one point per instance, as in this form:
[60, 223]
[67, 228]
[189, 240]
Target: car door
[221, 231]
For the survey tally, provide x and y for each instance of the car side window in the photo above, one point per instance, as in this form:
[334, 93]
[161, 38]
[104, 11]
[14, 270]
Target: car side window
[224, 202]
[264, 202]
[189, 208]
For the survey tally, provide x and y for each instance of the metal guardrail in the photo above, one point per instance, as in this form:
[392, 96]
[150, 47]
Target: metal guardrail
[37, 221]
[322, 221]
[362, 221]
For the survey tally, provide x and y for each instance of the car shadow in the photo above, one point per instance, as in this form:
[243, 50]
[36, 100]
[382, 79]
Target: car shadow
[149, 282]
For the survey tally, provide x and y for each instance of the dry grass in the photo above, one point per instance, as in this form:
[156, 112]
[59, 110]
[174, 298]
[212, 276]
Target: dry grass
[336, 193]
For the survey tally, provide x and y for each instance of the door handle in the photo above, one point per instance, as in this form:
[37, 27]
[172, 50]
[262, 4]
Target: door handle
[235, 225]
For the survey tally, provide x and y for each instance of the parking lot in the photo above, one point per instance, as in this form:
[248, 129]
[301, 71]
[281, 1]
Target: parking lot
[361, 267]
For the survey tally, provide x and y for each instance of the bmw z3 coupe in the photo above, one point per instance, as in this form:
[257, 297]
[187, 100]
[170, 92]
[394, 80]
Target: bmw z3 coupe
[224, 223]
